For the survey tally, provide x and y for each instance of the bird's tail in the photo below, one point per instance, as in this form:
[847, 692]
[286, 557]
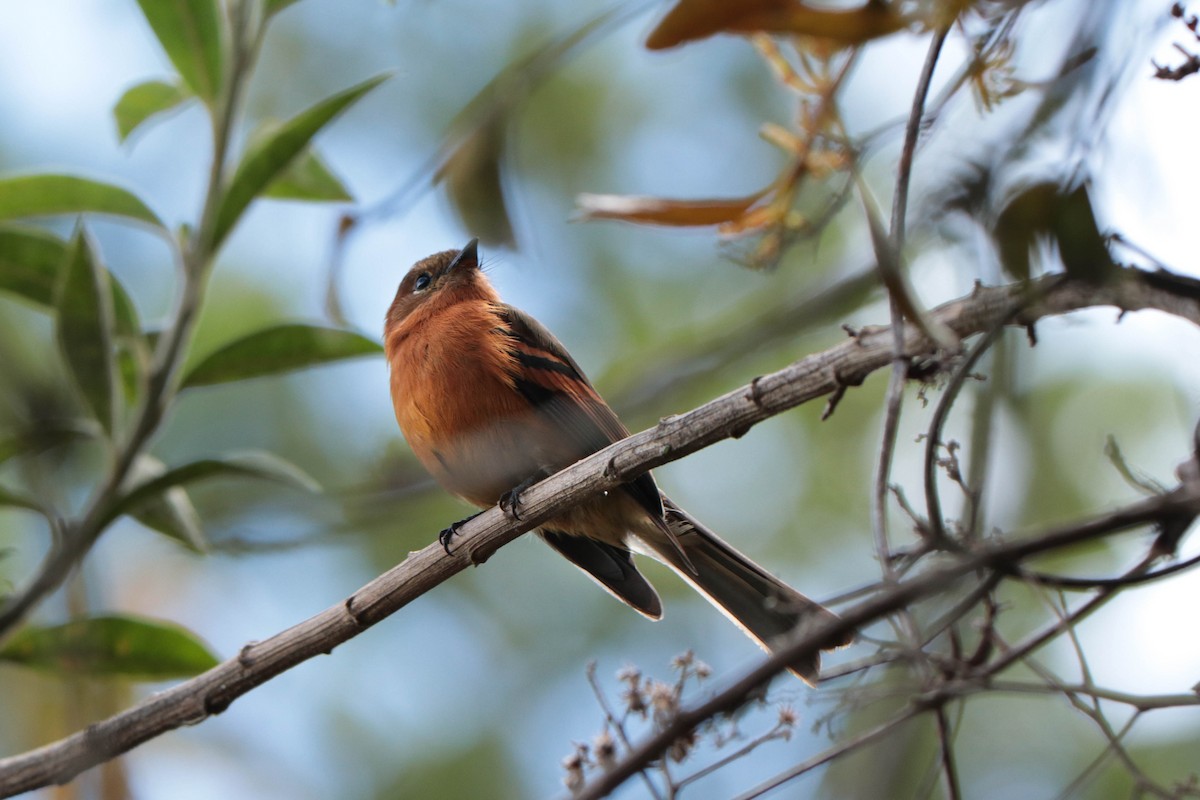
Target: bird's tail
[763, 606]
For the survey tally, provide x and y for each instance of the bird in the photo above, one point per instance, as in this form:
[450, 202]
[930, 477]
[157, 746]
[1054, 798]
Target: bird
[490, 402]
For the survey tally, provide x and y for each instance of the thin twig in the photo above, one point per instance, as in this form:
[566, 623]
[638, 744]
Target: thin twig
[946, 750]
[1139, 702]
[891, 598]
[1094, 712]
[196, 258]
[732, 414]
[779, 731]
[1090, 584]
[616, 723]
[899, 374]
[1094, 766]
[1034, 642]
[912, 133]
[933, 439]
[850, 745]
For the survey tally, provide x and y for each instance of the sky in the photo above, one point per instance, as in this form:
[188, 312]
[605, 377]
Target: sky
[61, 67]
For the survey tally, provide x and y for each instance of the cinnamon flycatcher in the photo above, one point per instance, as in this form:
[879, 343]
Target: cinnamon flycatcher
[490, 402]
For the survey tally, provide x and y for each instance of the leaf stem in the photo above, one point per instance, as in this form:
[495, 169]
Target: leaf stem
[196, 255]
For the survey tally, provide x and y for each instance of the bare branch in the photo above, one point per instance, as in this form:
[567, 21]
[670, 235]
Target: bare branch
[888, 254]
[946, 748]
[861, 740]
[933, 440]
[890, 599]
[1089, 584]
[196, 260]
[730, 415]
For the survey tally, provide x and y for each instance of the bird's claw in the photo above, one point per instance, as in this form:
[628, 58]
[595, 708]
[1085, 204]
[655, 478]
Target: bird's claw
[510, 501]
[447, 534]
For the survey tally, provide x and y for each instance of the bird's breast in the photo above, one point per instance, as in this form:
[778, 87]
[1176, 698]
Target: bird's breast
[456, 404]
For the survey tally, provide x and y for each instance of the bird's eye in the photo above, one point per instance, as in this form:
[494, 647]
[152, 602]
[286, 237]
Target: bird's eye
[422, 282]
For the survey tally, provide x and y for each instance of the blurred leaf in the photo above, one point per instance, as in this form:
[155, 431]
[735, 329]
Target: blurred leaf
[50, 195]
[1047, 211]
[47, 434]
[113, 645]
[8, 497]
[1023, 220]
[472, 172]
[471, 162]
[174, 515]
[171, 512]
[273, 7]
[265, 162]
[131, 360]
[252, 464]
[308, 178]
[125, 315]
[190, 31]
[132, 354]
[30, 263]
[85, 327]
[661, 211]
[1080, 243]
[146, 100]
[282, 348]
[698, 19]
[483, 767]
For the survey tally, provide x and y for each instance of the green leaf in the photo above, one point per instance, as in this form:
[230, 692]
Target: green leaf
[30, 263]
[472, 161]
[266, 161]
[146, 100]
[15, 499]
[279, 349]
[173, 515]
[48, 434]
[190, 31]
[85, 327]
[125, 315]
[1080, 243]
[1048, 211]
[132, 354]
[308, 178]
[473, 174]
[275, 6]
[121, 646]
[171, 512]
[249, 464]
[49, 195]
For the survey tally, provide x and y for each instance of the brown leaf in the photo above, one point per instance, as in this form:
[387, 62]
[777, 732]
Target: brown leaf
[752, 220]
[690, 20]
[662, 211]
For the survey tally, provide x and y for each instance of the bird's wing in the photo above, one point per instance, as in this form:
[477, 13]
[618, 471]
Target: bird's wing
[553, 383]
[610, 566]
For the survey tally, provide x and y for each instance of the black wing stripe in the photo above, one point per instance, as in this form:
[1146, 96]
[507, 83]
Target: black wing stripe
[541, 362]
[593, 423]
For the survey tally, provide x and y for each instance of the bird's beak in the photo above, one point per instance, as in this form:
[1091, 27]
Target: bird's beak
[467, 257]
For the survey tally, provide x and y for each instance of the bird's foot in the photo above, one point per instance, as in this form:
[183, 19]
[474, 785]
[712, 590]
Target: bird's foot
[449, 533]
[510, 501]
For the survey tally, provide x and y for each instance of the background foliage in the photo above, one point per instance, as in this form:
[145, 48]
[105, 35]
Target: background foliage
[268, 492]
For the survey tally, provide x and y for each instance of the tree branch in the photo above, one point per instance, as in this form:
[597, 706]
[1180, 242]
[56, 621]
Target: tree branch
[196, 257]
[731, 415]
[893, 597]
